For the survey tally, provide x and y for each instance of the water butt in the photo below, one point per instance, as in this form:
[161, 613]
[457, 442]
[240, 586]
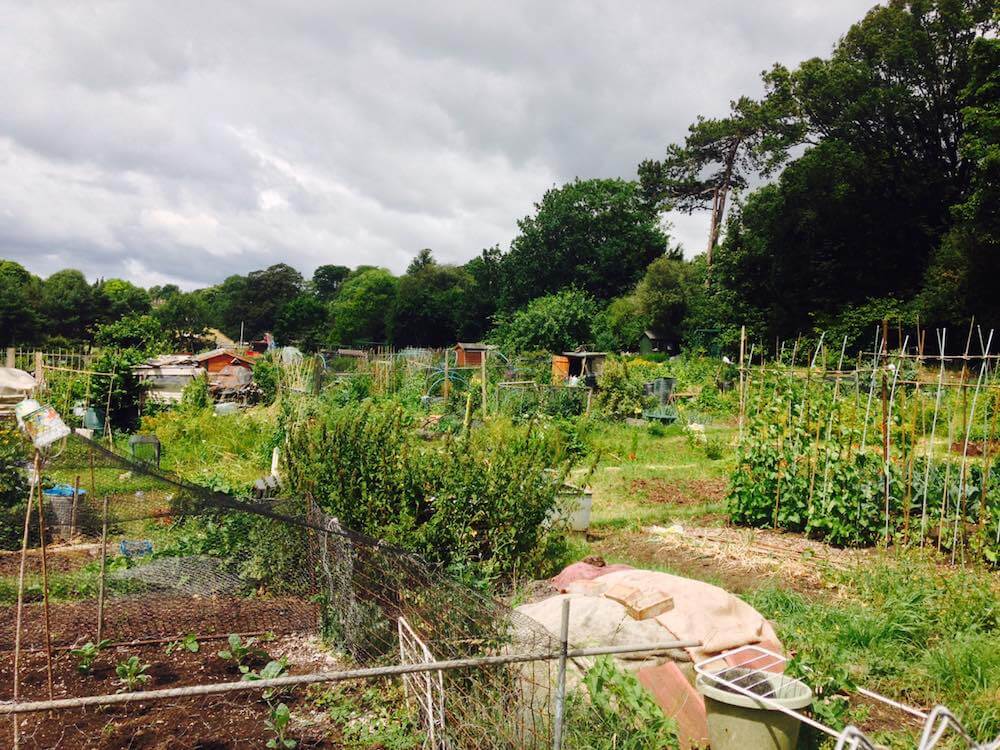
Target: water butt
[739, 722]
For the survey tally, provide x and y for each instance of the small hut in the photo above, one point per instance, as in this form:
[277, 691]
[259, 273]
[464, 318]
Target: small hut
[217, 359]
[471, 355]
[653, 342]
[166, 376]
[585, 366]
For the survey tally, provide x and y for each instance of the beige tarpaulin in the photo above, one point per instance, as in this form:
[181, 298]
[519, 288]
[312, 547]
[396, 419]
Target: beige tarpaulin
[15, 385]
[700, 612]
[13, 380]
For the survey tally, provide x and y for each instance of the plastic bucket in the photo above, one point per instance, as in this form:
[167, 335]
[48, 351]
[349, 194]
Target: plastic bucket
[59, 510]
[739, 722]
[575, 505]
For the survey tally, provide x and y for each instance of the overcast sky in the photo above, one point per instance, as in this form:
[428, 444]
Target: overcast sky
[186, 141]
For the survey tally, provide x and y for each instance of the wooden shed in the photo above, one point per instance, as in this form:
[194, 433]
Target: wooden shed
[470, 355]
[581, 365]
[215, 360]
[165, 377]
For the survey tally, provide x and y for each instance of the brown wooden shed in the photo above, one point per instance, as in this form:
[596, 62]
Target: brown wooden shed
[577, 364]
[215, 360]
[470, 355]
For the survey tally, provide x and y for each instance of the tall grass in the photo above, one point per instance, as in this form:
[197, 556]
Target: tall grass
[902, 627]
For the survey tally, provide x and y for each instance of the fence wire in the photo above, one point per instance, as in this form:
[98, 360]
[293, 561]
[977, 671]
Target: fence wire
[187, 568]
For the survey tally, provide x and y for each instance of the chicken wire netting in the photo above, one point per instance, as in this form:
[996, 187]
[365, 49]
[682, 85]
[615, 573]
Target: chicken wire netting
[188, 569]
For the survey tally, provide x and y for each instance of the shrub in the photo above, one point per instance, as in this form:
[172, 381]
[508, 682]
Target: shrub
[556, 322]
[13, 485]
[265, 374]
[622, 393]
[478, 504]
[195, 394]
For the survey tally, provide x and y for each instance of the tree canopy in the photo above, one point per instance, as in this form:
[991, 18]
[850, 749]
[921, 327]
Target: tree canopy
[596, 235]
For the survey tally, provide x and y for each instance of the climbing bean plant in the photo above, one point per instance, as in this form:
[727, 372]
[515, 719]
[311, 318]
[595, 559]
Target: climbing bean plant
[811, 460]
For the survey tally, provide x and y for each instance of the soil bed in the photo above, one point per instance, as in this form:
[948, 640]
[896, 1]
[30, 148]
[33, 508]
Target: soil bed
[57, 560]
[211, 722]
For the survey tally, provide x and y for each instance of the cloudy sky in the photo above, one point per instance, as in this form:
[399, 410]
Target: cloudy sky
[186, 141]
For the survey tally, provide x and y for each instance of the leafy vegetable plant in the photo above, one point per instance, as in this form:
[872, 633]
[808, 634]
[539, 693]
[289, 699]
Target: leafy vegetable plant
[240, 652]
[278, 722]
[131, 674]
[270, 671]
[188, 643]
[87, 653]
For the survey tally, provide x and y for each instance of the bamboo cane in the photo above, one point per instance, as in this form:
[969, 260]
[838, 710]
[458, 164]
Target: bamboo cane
[104, 567]
[19, 618]
[960, 508]
[942, 340]
[45, 574]
[76, 496]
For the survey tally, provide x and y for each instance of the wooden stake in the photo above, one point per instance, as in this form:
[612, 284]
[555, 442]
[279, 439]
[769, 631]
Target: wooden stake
[19, 618]
[777, 491]
[885, 452]
[482, 373]
[45, 573]
[986, 469]
[743, 346]
[76, 497]
[447, 384]
[104, 565]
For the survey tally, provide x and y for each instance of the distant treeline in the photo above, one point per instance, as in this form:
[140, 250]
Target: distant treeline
[880, 198]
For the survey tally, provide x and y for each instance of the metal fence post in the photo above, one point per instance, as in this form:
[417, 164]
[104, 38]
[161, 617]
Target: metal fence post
[557, 733]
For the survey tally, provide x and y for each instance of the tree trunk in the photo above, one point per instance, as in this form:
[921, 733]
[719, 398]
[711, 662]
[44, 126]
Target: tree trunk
[719, 206]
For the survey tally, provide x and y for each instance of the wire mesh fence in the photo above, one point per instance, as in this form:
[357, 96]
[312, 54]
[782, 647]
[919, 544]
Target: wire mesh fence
[187, 571]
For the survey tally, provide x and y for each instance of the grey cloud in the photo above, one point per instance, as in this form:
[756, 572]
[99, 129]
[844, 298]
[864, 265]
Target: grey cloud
[187, 141]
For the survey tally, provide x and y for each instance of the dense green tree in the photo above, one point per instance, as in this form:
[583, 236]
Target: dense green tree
[620, 325]
[597, 235]
[229, 311]
[961, 280]
[663, 295]
[483, 298]
[360, 309]
[431, 304]
[302, 322]
[116, 298]
[162, 293]
[857, 216]
[184, 317]
[133, 331]
[326, 280]
[556, 322]
[268, 291]
[68, 305]
[421, 260]
[252, 302]
[20, 295]
[124, 344]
